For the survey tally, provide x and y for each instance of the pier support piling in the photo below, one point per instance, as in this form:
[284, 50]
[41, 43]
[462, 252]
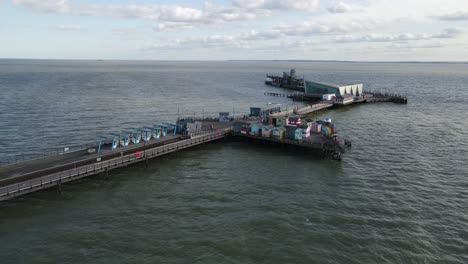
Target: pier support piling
[59, 185]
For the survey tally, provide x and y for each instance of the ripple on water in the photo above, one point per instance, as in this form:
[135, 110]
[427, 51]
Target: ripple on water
[399, 195]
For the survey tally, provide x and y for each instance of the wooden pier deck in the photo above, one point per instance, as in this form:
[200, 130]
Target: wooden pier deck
[30, 176]
[34, 180]
[303, 111]
[73, 159]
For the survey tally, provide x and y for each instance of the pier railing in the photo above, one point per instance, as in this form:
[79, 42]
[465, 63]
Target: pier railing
[15, 159]
[58, 178]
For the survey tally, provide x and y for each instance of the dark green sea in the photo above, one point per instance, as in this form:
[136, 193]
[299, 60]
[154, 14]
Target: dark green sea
[400, 194]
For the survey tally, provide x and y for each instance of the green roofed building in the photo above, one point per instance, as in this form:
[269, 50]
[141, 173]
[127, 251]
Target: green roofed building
[316, 89]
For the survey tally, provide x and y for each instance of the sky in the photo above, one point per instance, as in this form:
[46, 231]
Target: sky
[357, 30]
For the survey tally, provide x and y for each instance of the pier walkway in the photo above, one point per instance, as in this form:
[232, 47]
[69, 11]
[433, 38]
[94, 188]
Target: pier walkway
[64, 173]
[41, 166]
[303, 111]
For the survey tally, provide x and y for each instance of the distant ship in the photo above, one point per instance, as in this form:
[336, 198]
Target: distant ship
[288, 81]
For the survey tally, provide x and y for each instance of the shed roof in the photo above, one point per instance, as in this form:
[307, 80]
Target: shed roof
[279, 128]
[334, 85]
[257, 124]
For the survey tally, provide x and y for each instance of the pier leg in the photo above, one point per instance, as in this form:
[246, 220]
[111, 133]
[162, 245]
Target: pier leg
[106, 174]
[59, 186]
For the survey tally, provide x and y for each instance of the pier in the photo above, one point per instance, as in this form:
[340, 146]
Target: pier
[266, 125]
[324, 146]
[37, 175]
[34, 175]
[338, 94]
[303, 111]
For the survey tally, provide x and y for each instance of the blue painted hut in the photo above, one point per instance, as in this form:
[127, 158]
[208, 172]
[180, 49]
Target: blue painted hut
[294, 133]
[256, 129]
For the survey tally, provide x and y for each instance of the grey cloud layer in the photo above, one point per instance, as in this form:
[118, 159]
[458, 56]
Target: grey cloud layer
[302, 5]
[307, 30]
[240, 10]
[333, 22]
[247, 40]
[460, 15]
[445, 34]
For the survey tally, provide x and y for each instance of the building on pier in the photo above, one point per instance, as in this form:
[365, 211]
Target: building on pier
[256, 129]
[278, 133]
[318, 90]
[344, 99]
[288, 80]
[264, 111]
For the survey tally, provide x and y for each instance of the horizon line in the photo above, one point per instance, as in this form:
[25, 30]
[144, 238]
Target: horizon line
[251, 60]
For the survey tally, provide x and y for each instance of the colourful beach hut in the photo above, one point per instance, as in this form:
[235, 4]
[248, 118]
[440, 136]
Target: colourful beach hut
[278, 133]
[294, 133]
[306, 131]
[294, 121]
[256, 129]
[316, 127]
[327, 131]
[266, 131]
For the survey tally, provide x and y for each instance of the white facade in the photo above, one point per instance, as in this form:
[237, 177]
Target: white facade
[355, 89]
[328, 97]
[317, 89]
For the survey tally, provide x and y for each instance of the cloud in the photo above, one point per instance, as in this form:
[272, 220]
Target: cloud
[296, 35]
[340, 7]
[213, 41]
[412, 46]
[457, 16]
[168, 15]
[313, 28]
[450, 33]
[301, 5]
[46, 6]
[445, 34]
[305, 29]
[232, 42]
[301, 44]
[172, 26]
[235, 13]
[66, 28]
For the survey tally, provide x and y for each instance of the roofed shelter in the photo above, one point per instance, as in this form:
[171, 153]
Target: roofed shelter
[317, 89]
